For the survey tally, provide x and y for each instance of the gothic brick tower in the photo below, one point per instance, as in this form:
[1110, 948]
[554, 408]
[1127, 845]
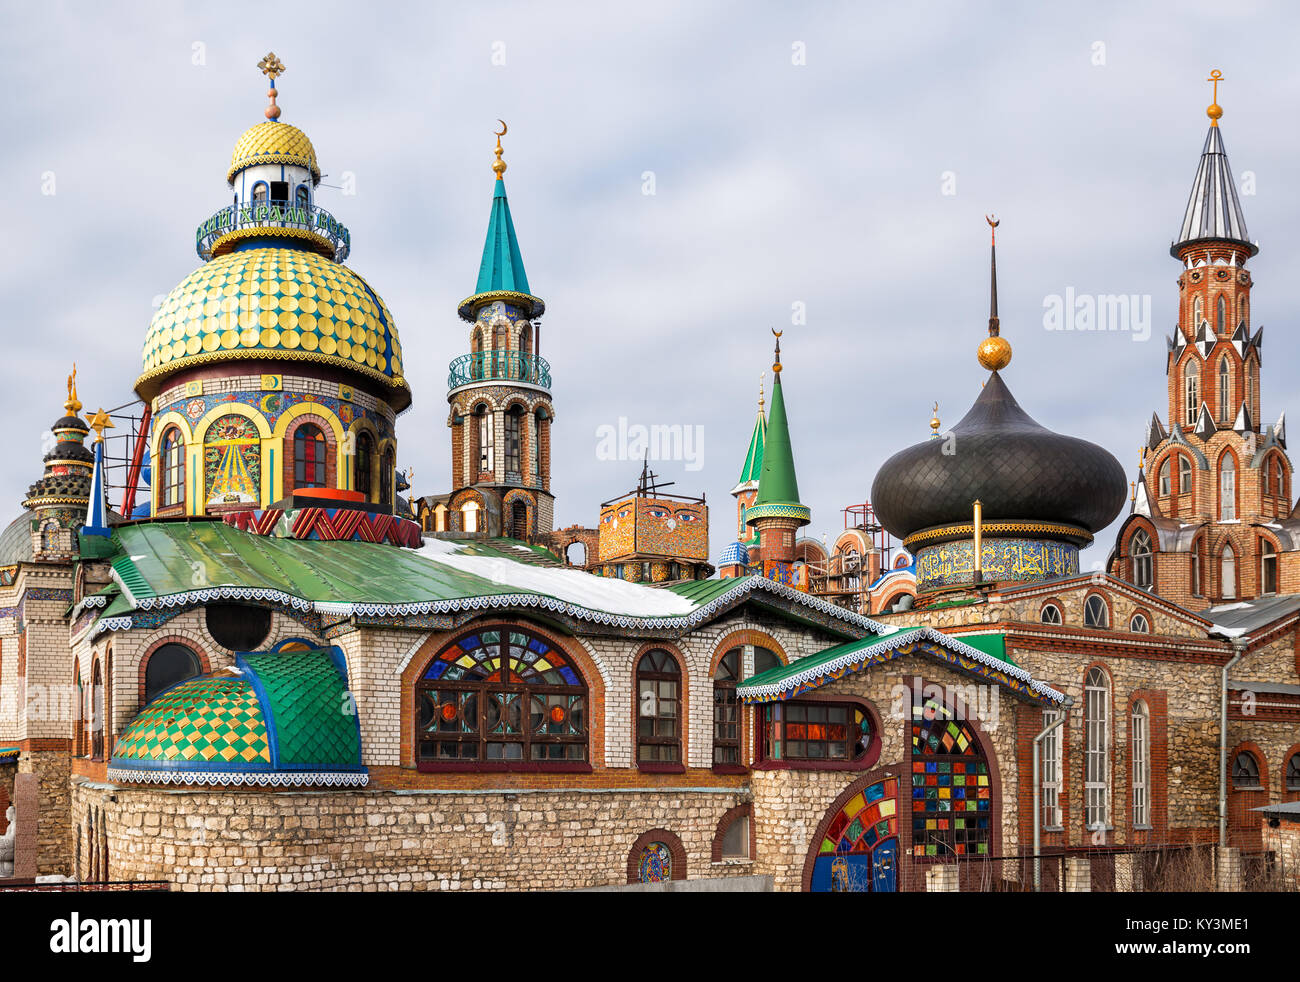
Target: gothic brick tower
[1212, 516]
[500, 395]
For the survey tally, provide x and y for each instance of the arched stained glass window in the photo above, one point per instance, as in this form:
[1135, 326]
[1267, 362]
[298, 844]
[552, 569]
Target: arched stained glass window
[309, 457]
[655, 864]
[866, 819]
[173, 468]
[951, 790]
[501, 694]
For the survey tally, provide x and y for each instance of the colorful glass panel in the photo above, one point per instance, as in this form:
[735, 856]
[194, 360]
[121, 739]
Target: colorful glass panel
[952, 804]
[655, 864]
[867, 818]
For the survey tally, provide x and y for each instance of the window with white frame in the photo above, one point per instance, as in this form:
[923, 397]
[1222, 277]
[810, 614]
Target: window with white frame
[1095, 612]
[1191, 390]
[1228, 574]
[1051, 614]
[1184, 475]
[1140, 751]
[1051, 773]
[1096, 724]
[1227, 489]
[1139, 548]
[1139, 624]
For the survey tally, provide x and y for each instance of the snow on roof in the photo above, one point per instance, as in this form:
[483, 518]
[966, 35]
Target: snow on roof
[573, 586]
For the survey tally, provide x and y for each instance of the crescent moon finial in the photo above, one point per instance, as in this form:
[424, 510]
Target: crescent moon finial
[499, 165]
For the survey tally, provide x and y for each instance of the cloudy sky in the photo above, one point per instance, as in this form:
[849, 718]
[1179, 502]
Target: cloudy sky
[834, 158]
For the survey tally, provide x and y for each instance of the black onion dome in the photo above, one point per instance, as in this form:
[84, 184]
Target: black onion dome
[1015, 467]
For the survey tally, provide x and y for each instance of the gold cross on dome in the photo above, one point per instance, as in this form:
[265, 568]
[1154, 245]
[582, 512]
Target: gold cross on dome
[1216, 77]
[271, 66]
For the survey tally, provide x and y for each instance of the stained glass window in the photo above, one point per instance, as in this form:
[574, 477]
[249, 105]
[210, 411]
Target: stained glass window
[815, 731]
[655, 864]
[952, 803]
[868, 818]
[501, 695]
[309, 457]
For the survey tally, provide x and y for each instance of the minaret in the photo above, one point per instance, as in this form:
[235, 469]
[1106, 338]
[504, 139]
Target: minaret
[777, 514]
[58, 499]
[500, 395]
[1213, 359]
[1214, 473]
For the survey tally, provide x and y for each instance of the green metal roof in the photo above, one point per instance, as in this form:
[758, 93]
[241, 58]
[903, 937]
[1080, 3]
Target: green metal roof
[979, 654]
[778, 484]
[502, 267]
[165, 558]
[309, 704]
[754, 456]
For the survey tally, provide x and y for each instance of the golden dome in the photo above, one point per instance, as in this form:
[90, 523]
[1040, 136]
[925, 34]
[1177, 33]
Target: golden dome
[273, 143]
[994, 353]
[274, 303]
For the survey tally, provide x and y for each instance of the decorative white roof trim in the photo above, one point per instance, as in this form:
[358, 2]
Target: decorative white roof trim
[277, 779]
[463, 604]
[95, 600]
[889, 643]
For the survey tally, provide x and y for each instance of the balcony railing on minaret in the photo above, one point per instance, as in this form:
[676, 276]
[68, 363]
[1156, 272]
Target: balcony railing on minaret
[513, 366]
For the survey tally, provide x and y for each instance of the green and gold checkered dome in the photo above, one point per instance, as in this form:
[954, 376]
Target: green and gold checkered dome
[278, 718]
[273, 142]
[277, 303]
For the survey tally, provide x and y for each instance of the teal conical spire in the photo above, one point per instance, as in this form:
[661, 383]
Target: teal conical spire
[502, 267]
[778, 486]
[501, 273]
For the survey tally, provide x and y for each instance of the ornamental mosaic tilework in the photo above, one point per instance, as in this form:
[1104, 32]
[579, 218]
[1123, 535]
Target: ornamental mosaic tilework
[284, 301]
[205, 720]
[232, 461]
[273, 142]
[1001, 559]
[273, 404]
[655, 526]
[655, 864]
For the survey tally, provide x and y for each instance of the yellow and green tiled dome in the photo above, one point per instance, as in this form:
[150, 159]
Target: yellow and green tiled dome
[273, 142]
[275, 719]
[274, 303]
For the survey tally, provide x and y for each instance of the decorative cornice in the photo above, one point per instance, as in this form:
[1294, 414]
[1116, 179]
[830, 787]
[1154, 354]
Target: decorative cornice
[534, 306]
[326, 247]
[279, 779]
[966, 530]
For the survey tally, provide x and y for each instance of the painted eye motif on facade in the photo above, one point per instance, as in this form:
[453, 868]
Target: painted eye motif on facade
[625, 513]
[687, 516]
[658, 512]
[606, 518]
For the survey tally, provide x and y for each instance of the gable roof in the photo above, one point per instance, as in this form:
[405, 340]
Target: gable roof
[1085, 580]
[976, 659]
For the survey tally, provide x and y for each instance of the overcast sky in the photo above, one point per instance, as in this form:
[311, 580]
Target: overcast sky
[801, 154]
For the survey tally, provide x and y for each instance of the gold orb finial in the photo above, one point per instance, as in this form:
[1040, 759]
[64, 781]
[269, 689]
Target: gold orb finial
[272, 67]
[73, 405]
[1214, 110]
[499, 165]
[994, 353]
[934, 421]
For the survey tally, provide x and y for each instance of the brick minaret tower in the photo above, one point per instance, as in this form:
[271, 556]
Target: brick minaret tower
[1212, 511]
[777, 514]
[500, 395]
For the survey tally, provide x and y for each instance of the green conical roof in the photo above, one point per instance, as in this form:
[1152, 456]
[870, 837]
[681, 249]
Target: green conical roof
[778, 487]
[754, 458]
[502, 267]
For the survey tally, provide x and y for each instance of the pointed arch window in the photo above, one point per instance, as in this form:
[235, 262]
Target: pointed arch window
[1225, 389]
[1267, 567]
[1096, 720]
[1220, 314]
[1248, 395]
[1164, 478]
[1279, 487]
[1228, 574]
[1140, 554]
[1191, 390]
[1197, 313]
[173, 468]
[1095, 612]
[1196, 570]
[1184, 475]
[1227, 488]
[309, 457]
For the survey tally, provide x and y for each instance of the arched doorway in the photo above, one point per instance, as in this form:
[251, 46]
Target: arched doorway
[519, 520]
[858, 849]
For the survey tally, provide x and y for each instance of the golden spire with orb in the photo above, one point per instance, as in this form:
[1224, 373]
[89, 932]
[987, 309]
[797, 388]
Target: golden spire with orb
[499, 165]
